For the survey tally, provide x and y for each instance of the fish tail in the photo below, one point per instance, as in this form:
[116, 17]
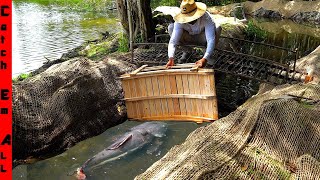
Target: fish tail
[80, 174]
[80, 171]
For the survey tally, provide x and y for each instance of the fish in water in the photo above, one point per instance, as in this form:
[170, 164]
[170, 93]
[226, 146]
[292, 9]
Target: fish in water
[136, 138]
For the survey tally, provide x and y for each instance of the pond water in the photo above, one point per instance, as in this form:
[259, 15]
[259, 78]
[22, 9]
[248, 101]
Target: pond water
[124, 168]
[44, 32]
[288, 34]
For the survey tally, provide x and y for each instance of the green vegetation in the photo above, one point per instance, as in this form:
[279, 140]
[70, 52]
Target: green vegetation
[99, 48]
[81, 5]
[155, 3]
[265, 157]
[253, 172]
[306, 104]
[93, 50]
[123, 43]
[253, 32]
[21, 77]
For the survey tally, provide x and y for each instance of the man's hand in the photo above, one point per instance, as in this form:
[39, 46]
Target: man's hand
[170, 63]
[201, 63]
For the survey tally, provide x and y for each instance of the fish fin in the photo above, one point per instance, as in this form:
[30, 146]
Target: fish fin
[117, 144]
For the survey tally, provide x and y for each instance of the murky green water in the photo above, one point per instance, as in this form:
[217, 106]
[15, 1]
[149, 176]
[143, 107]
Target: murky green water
[288, 34]
[125, 168]
[44, 32]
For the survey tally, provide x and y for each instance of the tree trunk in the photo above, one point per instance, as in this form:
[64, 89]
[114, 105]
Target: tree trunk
[141, 15]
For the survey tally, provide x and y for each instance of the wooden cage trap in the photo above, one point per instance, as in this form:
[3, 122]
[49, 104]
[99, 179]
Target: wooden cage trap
[181, 93]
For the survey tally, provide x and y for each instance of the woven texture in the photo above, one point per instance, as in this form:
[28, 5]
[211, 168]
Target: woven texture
[271, 136]
[65, 104]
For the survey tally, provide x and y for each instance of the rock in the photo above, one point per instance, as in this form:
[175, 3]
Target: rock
[168, 10]
[267, 13]
[162, 19]
[65, 104]
[95, 50]
[311, 17]
[226, 10]
[286, 9]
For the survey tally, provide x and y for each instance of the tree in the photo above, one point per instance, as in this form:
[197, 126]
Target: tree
[141, 16]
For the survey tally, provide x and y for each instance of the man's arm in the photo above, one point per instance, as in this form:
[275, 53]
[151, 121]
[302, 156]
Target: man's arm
[174, 39]
[210, 29]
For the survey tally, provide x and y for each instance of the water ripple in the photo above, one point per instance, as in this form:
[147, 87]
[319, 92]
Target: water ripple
[43, 32]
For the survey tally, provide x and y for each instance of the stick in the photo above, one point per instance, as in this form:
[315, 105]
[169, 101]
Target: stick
[135, 72]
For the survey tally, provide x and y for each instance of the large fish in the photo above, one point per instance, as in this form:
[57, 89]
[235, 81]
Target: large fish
[136, 138]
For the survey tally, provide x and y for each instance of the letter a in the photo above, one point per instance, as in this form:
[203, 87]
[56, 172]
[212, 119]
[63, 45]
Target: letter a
[7, 140]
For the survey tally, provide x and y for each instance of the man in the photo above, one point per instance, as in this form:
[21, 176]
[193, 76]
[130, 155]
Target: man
[193, 26]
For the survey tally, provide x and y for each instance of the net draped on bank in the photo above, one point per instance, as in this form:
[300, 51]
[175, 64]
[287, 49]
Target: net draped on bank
[274, 135]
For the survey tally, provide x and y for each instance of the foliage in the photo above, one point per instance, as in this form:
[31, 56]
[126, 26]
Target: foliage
[156, 3]
[81, 5]
[99, 48]
[306, 104]
[123, 43]
[253, 32]
[21, 77]
[93, 50]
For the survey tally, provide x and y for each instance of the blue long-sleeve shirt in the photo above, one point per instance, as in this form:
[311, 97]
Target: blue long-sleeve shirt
[204, 23]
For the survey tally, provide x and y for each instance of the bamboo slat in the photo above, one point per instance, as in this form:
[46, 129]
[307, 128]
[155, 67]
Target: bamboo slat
[139, 104]
[137, 70]
[133, 94]
[186, 90]
[145, 103]
[127, 94]
[156, 92]
[162, 93]
[180, 94]
[192, 88]
[150, 93]
[178, 118]
[168, 91]
[173, 86]
[197, 88]
[189, 96]
[168, 72]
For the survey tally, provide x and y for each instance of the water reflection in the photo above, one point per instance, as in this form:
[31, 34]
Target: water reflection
[288, 34]
[42, 33]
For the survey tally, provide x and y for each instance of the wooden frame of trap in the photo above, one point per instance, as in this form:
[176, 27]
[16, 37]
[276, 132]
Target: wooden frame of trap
[181, 93]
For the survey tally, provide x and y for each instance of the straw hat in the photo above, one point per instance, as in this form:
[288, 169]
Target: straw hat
[190, 11]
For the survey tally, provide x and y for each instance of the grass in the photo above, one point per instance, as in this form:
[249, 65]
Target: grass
[123, 43]
[277, 165]
[306, 105]
[156, 3]
[253, 32]
[21, 77]
[81, 5]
